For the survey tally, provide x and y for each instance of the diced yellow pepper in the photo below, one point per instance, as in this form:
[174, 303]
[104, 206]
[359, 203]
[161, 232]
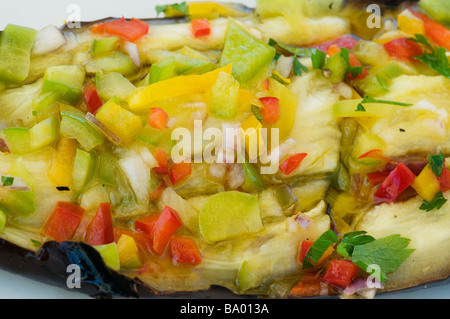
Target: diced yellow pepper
[61, 166]
[128, 252]
[426, 184]
[120, 121]
[409, 23]
[141, 98]
[210, 9]
[253, 139]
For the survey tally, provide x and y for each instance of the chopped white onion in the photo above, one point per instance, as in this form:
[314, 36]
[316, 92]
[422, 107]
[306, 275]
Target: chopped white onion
[147, 157]
[284, 65]
[138, 176]
[303, 221]
[217, 170]
[47, 40]
[132, 50]
[235, 176]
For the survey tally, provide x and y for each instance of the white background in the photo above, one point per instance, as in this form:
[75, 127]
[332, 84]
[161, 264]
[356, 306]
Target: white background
[37, 14]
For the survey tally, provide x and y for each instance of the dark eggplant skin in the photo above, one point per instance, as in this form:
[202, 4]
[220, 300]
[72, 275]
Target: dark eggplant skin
[49, 265]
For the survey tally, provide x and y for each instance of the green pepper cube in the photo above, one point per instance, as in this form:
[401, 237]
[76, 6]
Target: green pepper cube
[74, 125]
[246, 53]
[113, 84]
[109, 254]
[162, 70]
[68, 80]
[44, 133]
[17, 139]
[115, 62]
[83, 169]
[16, 43]
[104, 45]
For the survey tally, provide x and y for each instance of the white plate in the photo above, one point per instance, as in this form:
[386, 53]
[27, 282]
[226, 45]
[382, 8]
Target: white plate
[41, 13]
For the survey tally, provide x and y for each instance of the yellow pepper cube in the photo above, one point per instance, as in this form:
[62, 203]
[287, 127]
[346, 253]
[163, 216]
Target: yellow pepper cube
[427, 184]
[409, 23]
[252, 137]
[62, 163]
[120, 121]
[128, 252]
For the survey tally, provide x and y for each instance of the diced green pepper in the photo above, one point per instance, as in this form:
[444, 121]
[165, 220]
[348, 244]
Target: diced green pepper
[286, 197]
[162, 70]
[252, 181]
[44, 133]
[3, 218]
[107, 169]
[21, 202]
[74, 125]
[44, 101]
[157, 138]
[104, 45]
[338, 68]
[247, 54]
[17, 139]
[68, 80]
[16, 43]
[115, 62]
[113, 84]
[83, 169]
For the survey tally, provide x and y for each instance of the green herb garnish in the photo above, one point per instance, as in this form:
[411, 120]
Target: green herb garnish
[182, 8]
[434, 58]
[318, 59]
[437, 164]
[353, 70]
[257, 112]
[370, 99]
[352, 239]
[298, 67]
[319, 247]
[436, 203]
[7, 180]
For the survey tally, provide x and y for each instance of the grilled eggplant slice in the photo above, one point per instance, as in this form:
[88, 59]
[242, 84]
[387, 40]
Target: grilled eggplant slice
[89, 135]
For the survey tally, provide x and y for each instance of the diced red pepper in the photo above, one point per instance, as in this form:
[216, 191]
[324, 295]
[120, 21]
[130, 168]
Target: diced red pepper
[92, 98]
[444, 180]
[397, 181]
[183, 250]
[346, 41]
[403, 49]
[200, 27]
[130, 30]
[291, 163]
[157, 118]
[161, 158]
[340, 273]
[304, 248]
[166, 225]
[143, 240]
[146, 224]
[271, 111]
[377, 177]
[308, 286]
[353, 60]
[179, 171]
[64, 221]
[434, 30]
[101, 231]
[373, 154]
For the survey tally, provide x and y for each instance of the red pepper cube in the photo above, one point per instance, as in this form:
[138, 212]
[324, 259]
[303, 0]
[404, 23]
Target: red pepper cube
[64, 221]
[166, 225]
[397, 181]
[179, 171]
[101, 231]
[146, 224]
[161, 158]
[377, 177]
[200, 27]
[346, 41]
[353, 60]
[444, 180]
[340, 273]
[157, 118]
[291, 163]
[92, 98]
[403, 48]
[271, 111]
[304, 248]
[130, 30]
[183, 250]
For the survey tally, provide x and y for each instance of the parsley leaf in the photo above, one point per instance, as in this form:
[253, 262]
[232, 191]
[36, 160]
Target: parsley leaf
[435, 58]
[354, 70]
[179, 7]
[437, 164]
[298, 67]
[385, 254]
[318, 59]
[318, 248]
[436, 203]
[350, 240]
[7, 180]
